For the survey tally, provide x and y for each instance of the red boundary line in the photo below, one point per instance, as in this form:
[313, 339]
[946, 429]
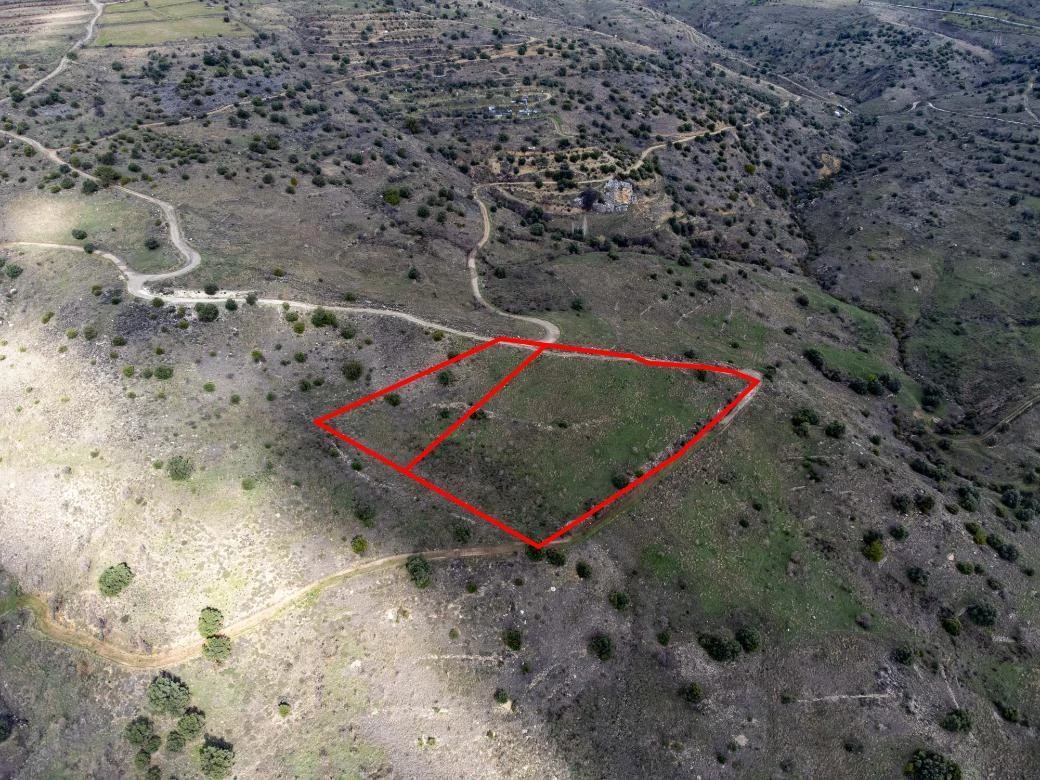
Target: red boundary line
[540, 347]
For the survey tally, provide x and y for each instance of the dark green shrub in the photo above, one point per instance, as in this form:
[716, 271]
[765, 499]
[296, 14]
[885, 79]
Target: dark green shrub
[206, 312]
[151, 243]
[748, 638]
[216, 758]
[982, 613]
[720, 648]
[168, 694]
[583, 570]
[601, 646]
[951, 626]
[619, 600]
[359, 544]
[179, 468]
[321, 318]
[692, 693]
[79, 234]
[210, 289]
[217, 648]
[901, 502]
[139, 730]
[353, 370]
[917, 575]
[175, 742]
[513, 638]
[929, 765]
[115, 579]
[419, 570]
[956, 720]
[835, 429]
[501, 695]
[393, 399]
[191, 723]
[556, 556]
[211, 621]
[163, 372]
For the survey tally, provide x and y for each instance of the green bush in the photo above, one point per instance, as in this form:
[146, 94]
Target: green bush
[982, 614]
[216, 758]
[13, 270]
[393, 399]
[168, 694]
[115, 579]
[163, 372]
[175, 742]
[217, 648]
[619, 600]
[501, 695]
[321, 318]
[392, 196]
[583, 570]
[929, 765]
[720, 648]
[956, 720]
[556, 556]
[139, 730]
[419, 570]
[835, 429]
[692, 693]
[951, 626]
[151, 243]
[206, 312]
[749, 639]
[283, 709]
[191, 723]
[601, 646]
[359, 544]
[513, 638]
[79, 234]
[353, 370]
[211, 621]
[179, 468]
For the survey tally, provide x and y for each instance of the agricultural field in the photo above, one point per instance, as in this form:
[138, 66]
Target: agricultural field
[151, 22]
[229, 231]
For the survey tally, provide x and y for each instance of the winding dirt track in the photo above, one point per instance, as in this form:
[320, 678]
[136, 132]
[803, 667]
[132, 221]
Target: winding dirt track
[136, 284]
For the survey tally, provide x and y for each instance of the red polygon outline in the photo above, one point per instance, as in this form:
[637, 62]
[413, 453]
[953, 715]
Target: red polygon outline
[539, 347]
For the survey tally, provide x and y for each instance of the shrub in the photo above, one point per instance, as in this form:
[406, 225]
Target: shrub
[917, 575]
[321, 318]
[365, 513]
[211, 620]
[353, 370]
[873, 548]
[583, 570]
[924, 502]
[13, 270]
[206, 312]
[392, 196]
[749, 639]
[284, 709]
[982, 613]
[951, 626]
[151, 243]
[139, 730]
[175, 741]
[163, 372]
[601, 646]
[168, 694]
[115, 579]
[835, 429]
[210, 289]
[556, 556]
[231, 304]
[393, 399]
[501, 695]
[179, 468]
[359, 544]
[805, 416]
[142, 759]
[6, 727]
[619, 600]
[956, 720]
[217, 648]
[929, 765]
[419, 570]
[79, 234]
[901, 502]
[513, 638]
[719, 648]
[446, 377]
[216, 758]
[692, 693]
[191, 723]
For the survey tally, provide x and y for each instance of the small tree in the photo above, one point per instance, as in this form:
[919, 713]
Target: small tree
[956, 720]
[321, 318]
[139, 730]
[217, 648]
[206, 312]
[216, 757]
[692, 693]
[929, 765]
[419, 570]
[179, 468]
[601, 646]
[513, 638]
[353, 370]
[748, 638]
[191, 723]
[175, 742]
[115, 579]
[167, 693]
[211, 621]
[720, 648]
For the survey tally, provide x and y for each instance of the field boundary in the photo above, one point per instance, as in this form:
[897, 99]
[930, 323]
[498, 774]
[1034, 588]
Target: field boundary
[538, 347]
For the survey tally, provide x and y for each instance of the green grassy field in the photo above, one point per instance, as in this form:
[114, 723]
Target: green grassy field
[149, 22]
